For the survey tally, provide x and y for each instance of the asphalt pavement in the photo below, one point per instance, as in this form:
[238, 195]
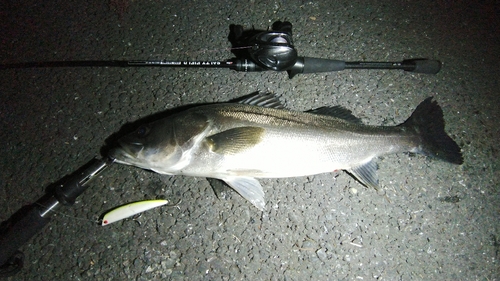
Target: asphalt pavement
[429, 220]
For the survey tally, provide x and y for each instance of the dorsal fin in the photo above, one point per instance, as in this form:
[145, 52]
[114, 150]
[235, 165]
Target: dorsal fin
[338, 112]
[263, 99]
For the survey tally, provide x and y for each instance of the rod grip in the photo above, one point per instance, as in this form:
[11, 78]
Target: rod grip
[19, 229]
[424, 66]
[314, 65]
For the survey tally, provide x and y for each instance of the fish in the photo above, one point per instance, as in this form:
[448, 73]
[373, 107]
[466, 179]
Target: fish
[239, 142]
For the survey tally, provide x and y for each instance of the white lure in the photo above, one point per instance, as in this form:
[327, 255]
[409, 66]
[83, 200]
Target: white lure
[131, 209]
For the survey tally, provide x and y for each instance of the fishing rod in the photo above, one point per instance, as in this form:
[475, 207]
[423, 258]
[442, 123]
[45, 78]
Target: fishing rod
[257, 50]
[30, 219]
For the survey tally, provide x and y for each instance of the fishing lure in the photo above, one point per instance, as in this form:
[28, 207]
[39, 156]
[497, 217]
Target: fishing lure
[131, 209]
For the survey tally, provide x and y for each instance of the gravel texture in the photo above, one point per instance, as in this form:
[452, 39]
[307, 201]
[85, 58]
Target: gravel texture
[429, 220]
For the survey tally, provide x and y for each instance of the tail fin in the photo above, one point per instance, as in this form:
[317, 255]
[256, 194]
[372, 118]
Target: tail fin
[428, 122]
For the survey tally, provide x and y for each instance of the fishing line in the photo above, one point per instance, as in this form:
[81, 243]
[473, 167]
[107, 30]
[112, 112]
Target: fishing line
[66, 215]
[205, 51]
[98, 221]
[218, 50]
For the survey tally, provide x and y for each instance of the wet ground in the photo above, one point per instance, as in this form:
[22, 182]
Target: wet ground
[430, 220]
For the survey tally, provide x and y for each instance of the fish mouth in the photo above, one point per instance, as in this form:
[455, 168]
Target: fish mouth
[119, 155]
[126, 153]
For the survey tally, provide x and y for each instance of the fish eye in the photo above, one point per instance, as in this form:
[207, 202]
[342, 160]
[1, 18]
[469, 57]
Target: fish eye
[142, 131]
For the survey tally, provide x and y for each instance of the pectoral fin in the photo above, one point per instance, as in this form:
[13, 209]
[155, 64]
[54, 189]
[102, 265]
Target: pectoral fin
[366, 174]
[249, 188]
[235, 140]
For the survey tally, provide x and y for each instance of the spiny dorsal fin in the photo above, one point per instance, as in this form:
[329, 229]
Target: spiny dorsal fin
[338, 112]
[263, 99]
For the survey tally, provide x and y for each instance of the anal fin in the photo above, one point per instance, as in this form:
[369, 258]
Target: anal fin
[366, 174]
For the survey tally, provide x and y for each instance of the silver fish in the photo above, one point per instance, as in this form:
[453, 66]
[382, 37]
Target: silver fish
[258, 138]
